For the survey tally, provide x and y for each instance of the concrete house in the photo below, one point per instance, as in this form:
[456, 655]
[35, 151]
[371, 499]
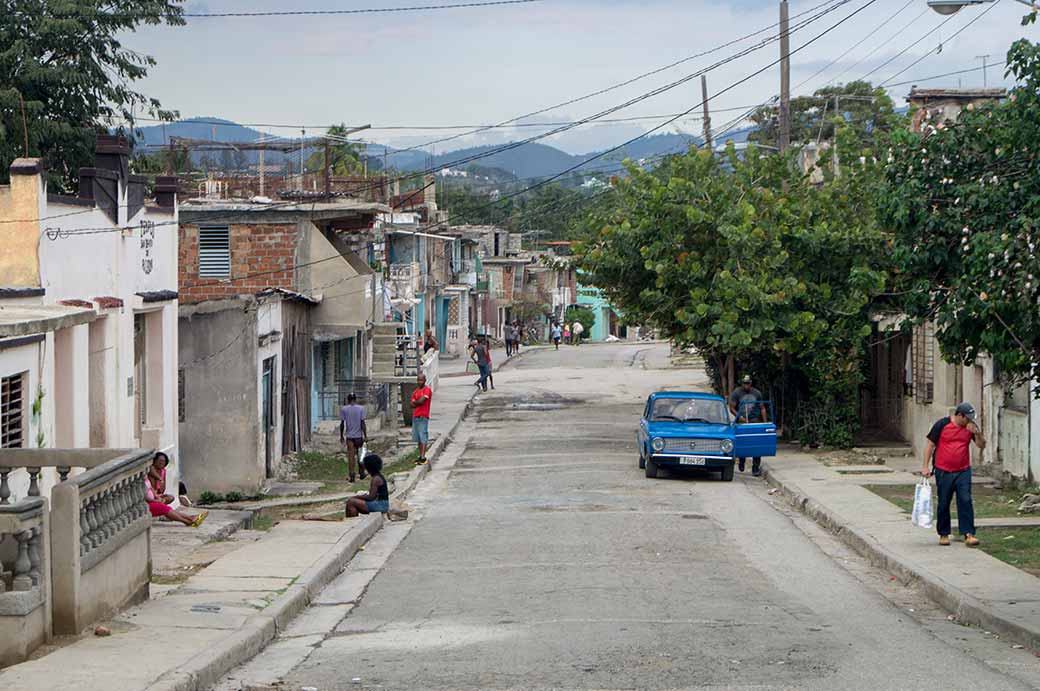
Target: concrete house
[276, 328]
[106, 378]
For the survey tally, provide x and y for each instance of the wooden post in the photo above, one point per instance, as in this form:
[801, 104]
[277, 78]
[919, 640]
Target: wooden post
[328, 181]
[784, 137]
[707, 118]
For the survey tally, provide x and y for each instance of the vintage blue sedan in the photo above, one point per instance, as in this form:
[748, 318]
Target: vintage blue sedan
[697, 430]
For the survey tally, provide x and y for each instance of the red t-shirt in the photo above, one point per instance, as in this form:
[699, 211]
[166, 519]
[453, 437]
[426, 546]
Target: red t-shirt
[422, 410]
[952, 445]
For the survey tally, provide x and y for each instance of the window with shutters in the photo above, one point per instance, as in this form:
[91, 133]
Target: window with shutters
[214, 252]
[12, 411]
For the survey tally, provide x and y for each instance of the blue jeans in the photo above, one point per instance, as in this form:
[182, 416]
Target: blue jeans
[485, 372]
[948, 484]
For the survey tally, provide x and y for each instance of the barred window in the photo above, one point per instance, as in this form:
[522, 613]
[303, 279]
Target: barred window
[924, 363]
[12, 411]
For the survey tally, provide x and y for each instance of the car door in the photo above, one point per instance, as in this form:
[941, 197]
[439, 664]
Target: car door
[643, 432]
[753, 439]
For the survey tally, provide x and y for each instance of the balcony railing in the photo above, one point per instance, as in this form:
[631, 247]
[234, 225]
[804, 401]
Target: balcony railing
[404, 279]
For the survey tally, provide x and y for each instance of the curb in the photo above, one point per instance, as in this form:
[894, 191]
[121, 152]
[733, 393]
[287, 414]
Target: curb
[966, 608]
[207, 668]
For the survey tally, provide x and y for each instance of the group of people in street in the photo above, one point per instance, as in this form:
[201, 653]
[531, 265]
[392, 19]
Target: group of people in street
[568, 333]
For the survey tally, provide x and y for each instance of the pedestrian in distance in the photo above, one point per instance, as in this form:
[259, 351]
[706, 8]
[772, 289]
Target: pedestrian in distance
[556, 333]
[518, 336]
[353, 434]
[578, 329]
[509, 339]
[421, 400]
[429, 340]
[567, 333]
[160, 503]
[482, 356]
[745, 402]
[948, 456]
[377, 498]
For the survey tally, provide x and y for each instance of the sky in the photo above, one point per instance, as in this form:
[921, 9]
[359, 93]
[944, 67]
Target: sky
[478, 66]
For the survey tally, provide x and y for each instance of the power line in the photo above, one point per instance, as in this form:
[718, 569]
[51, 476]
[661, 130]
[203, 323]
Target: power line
[947, 74]
[904, 51]
[367, 10]
[913, 64]
[877, 48]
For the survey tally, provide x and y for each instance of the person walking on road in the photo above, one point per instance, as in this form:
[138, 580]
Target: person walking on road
[742, 403]
[948, 455]
[421, 399]
[567, 333]
[578, 329]
[352, 433]
[556, 333]
[482, 357]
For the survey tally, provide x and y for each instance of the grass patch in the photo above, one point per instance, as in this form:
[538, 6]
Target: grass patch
[989, 502]
[262, 522]
[1019, 547]
[322, 467]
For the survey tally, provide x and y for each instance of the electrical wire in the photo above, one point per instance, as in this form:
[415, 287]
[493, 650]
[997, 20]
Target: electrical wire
[913, 64]
[903, 52]
[947, 74]
[877, 48]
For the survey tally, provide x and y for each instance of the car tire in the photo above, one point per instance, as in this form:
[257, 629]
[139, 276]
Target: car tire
[651, 468]
[727, 474]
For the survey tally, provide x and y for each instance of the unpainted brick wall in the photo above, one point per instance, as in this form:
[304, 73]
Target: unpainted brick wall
[267, 249]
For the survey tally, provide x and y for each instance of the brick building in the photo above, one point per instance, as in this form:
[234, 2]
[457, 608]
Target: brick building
[278, 301]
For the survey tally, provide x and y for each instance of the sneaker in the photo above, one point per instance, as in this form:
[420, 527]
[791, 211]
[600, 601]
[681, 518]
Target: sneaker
[944, 540]
[756, 468]
[421, 461]
[971, 540]
[740, 465]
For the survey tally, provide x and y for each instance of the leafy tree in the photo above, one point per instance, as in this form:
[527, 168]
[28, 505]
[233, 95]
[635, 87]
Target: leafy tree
[345, 158]
[548, 209]
[62, 64]
[760, 270]
[964, 201]
[585, 315]
[857, 105]
[466, 206]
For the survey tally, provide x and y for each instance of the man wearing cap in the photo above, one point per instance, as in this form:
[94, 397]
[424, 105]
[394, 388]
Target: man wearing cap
[746, 405]
[949, 451]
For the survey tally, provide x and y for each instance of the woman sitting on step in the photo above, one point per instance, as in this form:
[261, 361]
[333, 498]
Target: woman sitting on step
[377, 499]
[158, 501]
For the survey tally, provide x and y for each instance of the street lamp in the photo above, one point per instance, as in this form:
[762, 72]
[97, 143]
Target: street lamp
[954, 6]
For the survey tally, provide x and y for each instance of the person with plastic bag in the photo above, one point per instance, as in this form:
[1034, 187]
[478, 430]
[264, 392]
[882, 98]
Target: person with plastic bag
[948, 453]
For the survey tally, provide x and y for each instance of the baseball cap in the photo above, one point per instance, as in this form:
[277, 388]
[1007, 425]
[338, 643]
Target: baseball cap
[967, 410]
[746, 379]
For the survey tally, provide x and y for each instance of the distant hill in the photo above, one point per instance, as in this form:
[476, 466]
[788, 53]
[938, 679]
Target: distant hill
[532, 160]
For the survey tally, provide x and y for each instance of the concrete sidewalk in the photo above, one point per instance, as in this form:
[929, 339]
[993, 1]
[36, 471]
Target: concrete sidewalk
[975, 587]
[229, 611]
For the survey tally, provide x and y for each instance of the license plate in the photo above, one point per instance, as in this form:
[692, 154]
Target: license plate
[691, 460]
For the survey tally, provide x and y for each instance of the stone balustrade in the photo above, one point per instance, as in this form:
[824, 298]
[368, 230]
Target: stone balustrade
[100, 528]
[34, 461]
[24, 578]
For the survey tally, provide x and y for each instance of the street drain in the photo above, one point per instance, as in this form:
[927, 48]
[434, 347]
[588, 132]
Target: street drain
[695, 516]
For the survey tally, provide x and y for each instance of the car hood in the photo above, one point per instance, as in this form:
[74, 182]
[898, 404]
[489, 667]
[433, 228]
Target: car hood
[689, 429]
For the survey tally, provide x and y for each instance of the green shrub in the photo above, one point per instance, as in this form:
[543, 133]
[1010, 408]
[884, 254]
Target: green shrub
[233, 496]
[211, 498]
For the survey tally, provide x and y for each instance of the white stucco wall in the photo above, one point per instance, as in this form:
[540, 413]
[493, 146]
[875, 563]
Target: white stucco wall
[269, 320]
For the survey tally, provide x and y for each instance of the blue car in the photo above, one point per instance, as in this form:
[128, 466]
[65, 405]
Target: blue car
[697, 430]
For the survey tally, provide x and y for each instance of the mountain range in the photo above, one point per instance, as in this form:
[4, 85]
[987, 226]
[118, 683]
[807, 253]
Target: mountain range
[518, 160]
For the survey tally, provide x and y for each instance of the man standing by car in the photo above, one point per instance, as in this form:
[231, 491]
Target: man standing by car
[949, 451]
[742, 403]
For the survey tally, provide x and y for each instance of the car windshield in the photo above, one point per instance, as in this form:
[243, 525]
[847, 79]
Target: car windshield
[689, 410]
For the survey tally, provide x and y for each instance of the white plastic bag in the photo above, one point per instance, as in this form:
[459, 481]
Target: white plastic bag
[922, 513]
[362, 453]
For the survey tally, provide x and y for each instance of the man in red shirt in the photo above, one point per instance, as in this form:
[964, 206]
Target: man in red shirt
[421, 416]
[949, 450]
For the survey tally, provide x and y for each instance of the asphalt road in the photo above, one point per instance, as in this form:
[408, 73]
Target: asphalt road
[544, 559]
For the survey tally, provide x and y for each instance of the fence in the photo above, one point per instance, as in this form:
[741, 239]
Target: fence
[77, 558]
[374, 396]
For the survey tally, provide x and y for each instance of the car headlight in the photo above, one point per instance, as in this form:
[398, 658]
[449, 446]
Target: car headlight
[726, 445]
[657, 444]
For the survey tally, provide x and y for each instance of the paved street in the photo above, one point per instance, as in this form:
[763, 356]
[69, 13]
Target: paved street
[539, 557]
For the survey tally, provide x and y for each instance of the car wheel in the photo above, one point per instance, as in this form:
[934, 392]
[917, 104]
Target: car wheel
[727, 474]
[651, 468]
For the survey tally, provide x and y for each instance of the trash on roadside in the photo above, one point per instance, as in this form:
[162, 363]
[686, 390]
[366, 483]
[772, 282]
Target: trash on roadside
[356, 680]
[773, 491]
[209, 609]
[1018, 647]
[398, 511]
[1009, 537]
[102, 631]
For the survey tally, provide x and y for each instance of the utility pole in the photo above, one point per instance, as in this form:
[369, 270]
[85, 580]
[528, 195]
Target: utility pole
[261, 172]
[707, 118]
[303, 136]
[328, 181]
[984, 58]
[784, 138]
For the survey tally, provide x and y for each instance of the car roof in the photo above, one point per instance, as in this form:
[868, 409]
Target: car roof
[698, 395]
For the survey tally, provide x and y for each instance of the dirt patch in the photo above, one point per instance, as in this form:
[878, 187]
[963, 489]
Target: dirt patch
[841, 457]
